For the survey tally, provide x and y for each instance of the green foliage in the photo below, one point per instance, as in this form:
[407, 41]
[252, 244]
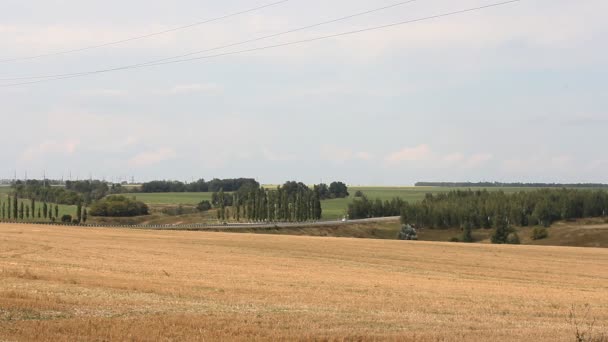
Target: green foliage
[67, 218]
[467, 232]
[483, 208]
[362, 208]
[359, 193]
[539, 233]
[513, 239]
[408, 233]
[229, 185]
[204, 206]
[502, 230]
[118, 206]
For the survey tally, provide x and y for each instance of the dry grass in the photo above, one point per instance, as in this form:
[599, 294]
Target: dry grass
[62, 284]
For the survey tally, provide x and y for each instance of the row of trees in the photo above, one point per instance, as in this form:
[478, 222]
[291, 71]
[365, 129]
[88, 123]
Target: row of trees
[15, 209]
[362, 207]
[483, 209]
[215, 185]
[73, 192]
[292, 202]
[511, 185]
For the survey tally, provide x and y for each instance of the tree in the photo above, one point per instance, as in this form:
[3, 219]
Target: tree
[21, 211]
[56, 210]
[467, 232]
[45, 209]
[338, 190]
[15, 205]
[203, 206]
[27, 211]
[79, 212]
[84, 215]
[502, 230]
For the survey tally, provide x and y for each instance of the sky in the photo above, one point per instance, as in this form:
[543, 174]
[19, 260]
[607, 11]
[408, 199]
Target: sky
[514, 93]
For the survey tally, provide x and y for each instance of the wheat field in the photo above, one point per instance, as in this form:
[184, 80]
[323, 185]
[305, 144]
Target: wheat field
[77, 284]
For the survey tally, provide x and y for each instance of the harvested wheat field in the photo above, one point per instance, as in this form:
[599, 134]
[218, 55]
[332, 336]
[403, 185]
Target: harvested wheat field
[65, 284]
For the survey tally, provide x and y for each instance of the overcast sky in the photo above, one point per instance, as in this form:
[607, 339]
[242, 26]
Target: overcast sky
[511, 93]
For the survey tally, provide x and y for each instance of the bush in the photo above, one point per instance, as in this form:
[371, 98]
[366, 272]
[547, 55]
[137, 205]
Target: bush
[539, 233]
[454, 239]
[118, 206]
[204, 206]
[513, 239]
[66, 218]
[359, 193]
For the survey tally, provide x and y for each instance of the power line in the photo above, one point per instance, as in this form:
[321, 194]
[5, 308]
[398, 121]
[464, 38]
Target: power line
[143, 36]
[228, 45]
[276, 45]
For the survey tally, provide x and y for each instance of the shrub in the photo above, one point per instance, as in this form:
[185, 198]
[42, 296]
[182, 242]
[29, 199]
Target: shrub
[454, 239]
[66, 218]
[539, 233]
[204, 206]
[513, 239]
[118, 206]
[359, 193]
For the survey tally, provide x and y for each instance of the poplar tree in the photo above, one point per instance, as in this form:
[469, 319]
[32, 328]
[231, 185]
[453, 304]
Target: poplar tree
[15, 209]
[27, 212]
[79, 212]
[45, 209]
[56, 211]
[21, 210]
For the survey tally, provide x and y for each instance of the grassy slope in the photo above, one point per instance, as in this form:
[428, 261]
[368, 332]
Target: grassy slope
[584, 233]
[59, 284]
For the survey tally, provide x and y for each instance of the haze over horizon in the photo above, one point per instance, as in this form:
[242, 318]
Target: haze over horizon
[513, 93]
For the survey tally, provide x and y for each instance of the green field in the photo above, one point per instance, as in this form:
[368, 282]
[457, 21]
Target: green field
[176, 198]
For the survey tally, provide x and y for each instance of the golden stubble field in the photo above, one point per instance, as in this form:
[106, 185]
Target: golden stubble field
[66, 284]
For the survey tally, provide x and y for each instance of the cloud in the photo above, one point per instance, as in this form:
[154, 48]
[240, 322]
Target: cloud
[409, 154]
[66, 147]
[152, 157]
[341, 155]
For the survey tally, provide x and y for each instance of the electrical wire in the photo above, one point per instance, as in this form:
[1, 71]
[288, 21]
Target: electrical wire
[375, 28]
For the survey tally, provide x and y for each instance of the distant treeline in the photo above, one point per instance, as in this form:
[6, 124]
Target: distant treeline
[511, 185]
[228, 185]
[482, 209]
[72, 193]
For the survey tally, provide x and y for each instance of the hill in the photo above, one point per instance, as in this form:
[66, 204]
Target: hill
[61, 284]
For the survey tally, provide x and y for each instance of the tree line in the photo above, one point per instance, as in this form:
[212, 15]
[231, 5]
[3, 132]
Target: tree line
[362, 207]
[484, 209]
[16, 209]
[215, 185]
[72, 193]
[511, 185]
[291, 202]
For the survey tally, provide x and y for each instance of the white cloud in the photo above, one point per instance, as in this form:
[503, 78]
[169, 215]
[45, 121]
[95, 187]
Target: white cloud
[152, 157]
[409, 154]
[66, 147]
